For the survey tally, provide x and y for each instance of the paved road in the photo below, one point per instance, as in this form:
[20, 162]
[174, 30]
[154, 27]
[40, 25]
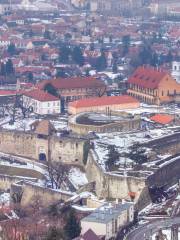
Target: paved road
[149, 229]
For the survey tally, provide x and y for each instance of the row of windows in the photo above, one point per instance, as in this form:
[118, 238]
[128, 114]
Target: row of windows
[77, 89]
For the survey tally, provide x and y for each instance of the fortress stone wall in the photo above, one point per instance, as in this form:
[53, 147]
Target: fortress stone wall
[70, 150]
[165, 145]
[29, 145]
[114, 186]
[20, 171]
[121, 126]
[32, 193]
[167, 175]
[6, 181]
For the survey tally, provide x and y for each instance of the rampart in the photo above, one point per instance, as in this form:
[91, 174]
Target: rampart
[112, 186]
[122, 126]
[30, 145]
[32, 192]
[6, 181]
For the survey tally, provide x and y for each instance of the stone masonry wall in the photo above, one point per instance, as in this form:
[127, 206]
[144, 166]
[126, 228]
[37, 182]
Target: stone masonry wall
[29, 145]
[112, 185]
[46, 196]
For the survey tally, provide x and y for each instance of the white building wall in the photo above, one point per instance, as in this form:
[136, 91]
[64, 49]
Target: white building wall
[176, 71]
[98, 228]
[108, 229]
[42, 108]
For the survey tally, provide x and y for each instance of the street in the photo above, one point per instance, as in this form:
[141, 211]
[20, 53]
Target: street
[148, 229]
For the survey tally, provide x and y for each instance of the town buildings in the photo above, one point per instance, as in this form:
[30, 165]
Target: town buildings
[108, 219]
[70, 89]
[41, 102]
[176, 70]
[153, 86]
[115, 7]
[103, 104]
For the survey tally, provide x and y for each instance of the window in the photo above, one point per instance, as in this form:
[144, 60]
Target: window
[162, 93]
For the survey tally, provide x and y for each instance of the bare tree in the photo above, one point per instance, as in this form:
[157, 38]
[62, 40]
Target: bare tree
[12, 110]
[24, 105]
[57, 173]
[101, 91]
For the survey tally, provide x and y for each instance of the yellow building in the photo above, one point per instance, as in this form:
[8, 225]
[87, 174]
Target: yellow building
[153, 86]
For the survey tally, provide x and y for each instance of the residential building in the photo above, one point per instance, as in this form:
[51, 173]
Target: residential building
[115, 7]
[71, 89]
[176, 70]
[152, 86]
[103, 104]
[41, 102]
[4, 41]
[108, 219]
[5, 7]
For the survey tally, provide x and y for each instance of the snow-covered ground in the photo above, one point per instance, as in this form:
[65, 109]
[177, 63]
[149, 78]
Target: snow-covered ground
[4, 199]
[21, 124]
[149, 109]
[77, 177]
[123, 141]
[167, 233]
[24, 164]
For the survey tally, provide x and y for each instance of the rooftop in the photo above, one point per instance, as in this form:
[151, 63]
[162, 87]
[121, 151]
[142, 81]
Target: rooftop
[103, 101]
[40, 95]
[43, 127]
[162, 118]
[73, 82]
[147, 77]
[107, 212]
[7, 92]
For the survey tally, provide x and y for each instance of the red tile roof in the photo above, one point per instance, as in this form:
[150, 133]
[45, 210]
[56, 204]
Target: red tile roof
[74, 82]
[7, 93]
[40, 95]
[89, 235]
[103, 101]
[162, 118]
[147, 77]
